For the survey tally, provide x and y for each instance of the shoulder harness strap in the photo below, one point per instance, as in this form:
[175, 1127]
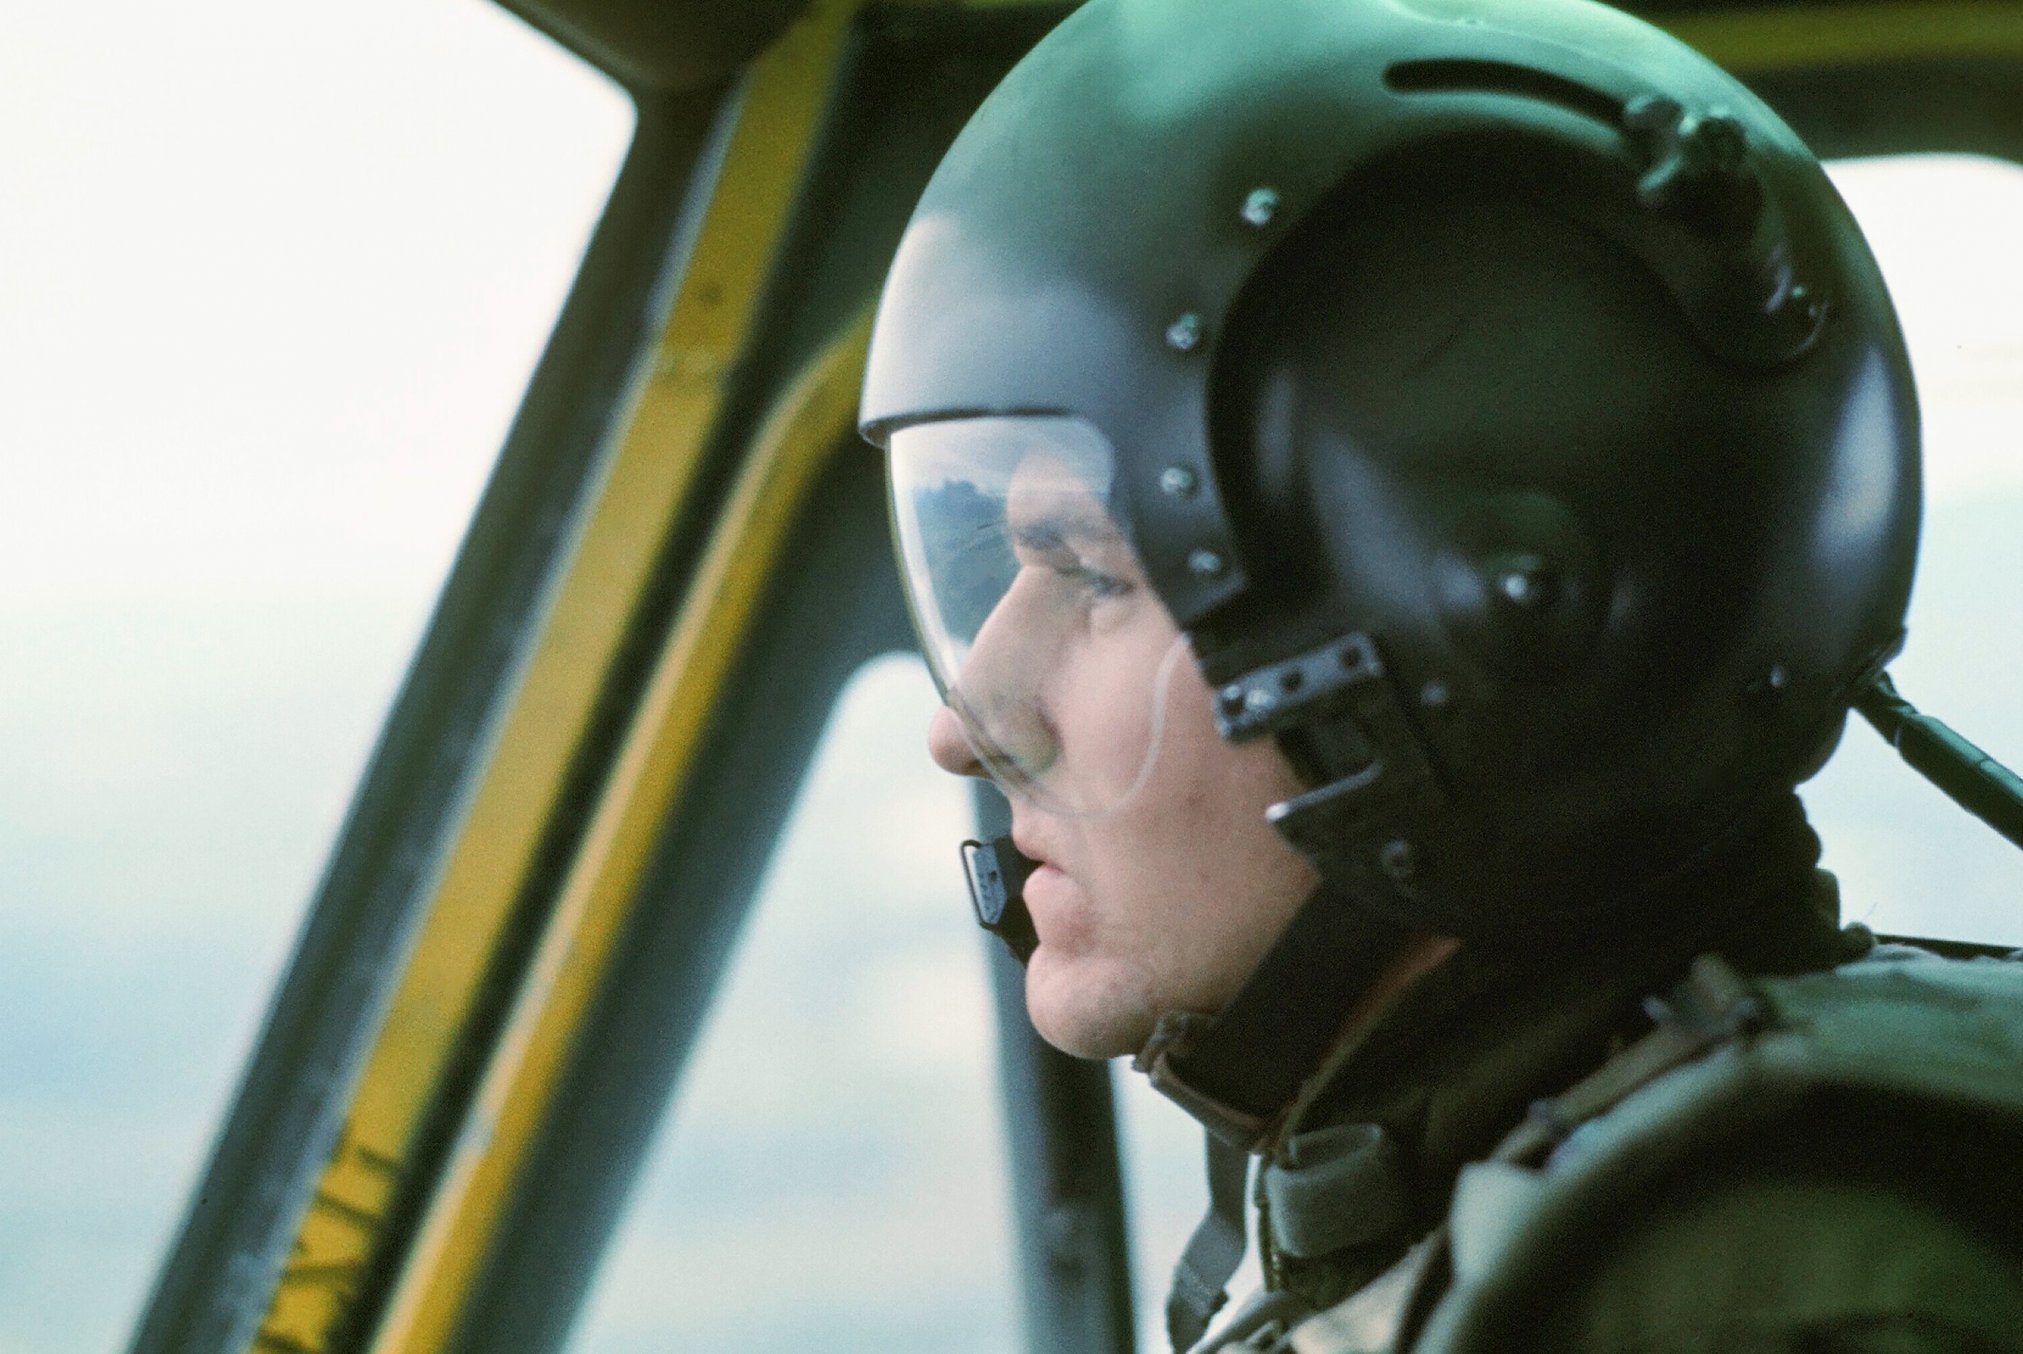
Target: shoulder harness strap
[1735, 1056]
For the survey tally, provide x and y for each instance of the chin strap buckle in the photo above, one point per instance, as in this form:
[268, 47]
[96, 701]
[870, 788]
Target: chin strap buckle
[1367, 825]
[1300, 690]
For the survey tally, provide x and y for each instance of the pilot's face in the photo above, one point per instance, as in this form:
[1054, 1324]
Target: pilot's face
[1169, 896]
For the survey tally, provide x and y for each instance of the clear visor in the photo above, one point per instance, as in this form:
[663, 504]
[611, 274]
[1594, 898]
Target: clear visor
[1036, 618]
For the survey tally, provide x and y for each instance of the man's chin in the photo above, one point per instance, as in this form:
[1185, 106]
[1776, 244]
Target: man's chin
[1072, 1013]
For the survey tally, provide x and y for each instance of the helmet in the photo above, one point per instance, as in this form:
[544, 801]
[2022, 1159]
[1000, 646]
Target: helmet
[1498, 396]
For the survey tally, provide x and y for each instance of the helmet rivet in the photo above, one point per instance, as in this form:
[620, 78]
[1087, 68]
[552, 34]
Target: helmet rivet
[1528, 586]
[1764, 693]
[1204, 564]
[1260, 207]
[1435, 695]
[1258, 700]
[1177, 481]
[1398, 861]
[1184, 334]
[1801, 299]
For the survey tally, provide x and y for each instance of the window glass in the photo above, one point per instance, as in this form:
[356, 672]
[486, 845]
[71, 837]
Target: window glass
[831, 1174]
[275, 277]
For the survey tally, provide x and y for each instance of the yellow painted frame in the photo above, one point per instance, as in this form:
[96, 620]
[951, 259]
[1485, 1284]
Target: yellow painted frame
[1777, 38]
[817, 415]
[649, 481]
[1787, 37]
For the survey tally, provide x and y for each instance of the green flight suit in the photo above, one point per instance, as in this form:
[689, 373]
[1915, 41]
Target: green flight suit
[1790, 1246]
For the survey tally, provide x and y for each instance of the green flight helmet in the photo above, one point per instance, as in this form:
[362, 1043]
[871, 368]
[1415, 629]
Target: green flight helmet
[1498, 396]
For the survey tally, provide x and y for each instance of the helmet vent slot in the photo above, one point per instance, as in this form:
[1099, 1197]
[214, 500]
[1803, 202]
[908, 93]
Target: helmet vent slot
[1459, 76]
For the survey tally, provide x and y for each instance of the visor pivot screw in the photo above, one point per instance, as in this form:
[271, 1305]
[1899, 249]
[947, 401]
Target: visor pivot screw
[1258, 701]
[1177, 481]
[1260, 207]
[1205, 564]
[1764, 692]
[1184, 334]
[1398, 861]
[1801, 300]
[1527, 584]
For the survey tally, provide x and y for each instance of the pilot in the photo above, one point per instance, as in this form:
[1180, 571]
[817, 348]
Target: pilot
[1398, 493]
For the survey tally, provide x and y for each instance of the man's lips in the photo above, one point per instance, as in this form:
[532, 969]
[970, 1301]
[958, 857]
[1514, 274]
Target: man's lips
[1043, 886]
[1045, 898]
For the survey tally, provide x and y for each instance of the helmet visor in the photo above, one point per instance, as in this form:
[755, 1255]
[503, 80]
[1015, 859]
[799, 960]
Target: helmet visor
[1038, 624]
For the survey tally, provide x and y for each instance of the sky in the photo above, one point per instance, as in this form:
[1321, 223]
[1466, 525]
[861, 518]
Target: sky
[273, 279]
[1943, 229]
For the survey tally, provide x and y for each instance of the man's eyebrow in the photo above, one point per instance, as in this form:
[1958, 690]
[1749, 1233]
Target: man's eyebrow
[1038, 534]
[1049, 531]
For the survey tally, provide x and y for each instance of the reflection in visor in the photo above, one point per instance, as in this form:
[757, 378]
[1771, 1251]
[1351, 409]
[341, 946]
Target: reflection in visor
[1035, 615]
[967, 554]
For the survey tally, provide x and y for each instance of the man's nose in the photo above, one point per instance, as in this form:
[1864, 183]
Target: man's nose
[949, 745]
[998, 692]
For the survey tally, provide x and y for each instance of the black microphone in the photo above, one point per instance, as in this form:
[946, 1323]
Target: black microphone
[997, 876]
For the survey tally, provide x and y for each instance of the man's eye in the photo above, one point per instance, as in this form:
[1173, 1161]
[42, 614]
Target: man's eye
[1094, 580]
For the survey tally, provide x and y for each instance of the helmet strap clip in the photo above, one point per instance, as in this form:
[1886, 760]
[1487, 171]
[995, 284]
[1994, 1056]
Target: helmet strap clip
[1343, 723]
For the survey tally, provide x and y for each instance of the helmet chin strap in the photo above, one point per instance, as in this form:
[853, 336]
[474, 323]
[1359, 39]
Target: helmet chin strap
[1239, 1070]
[1242, 1071]
[1236, 1070]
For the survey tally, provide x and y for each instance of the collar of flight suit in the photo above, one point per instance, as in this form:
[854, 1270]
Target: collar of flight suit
[1375, 1120]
